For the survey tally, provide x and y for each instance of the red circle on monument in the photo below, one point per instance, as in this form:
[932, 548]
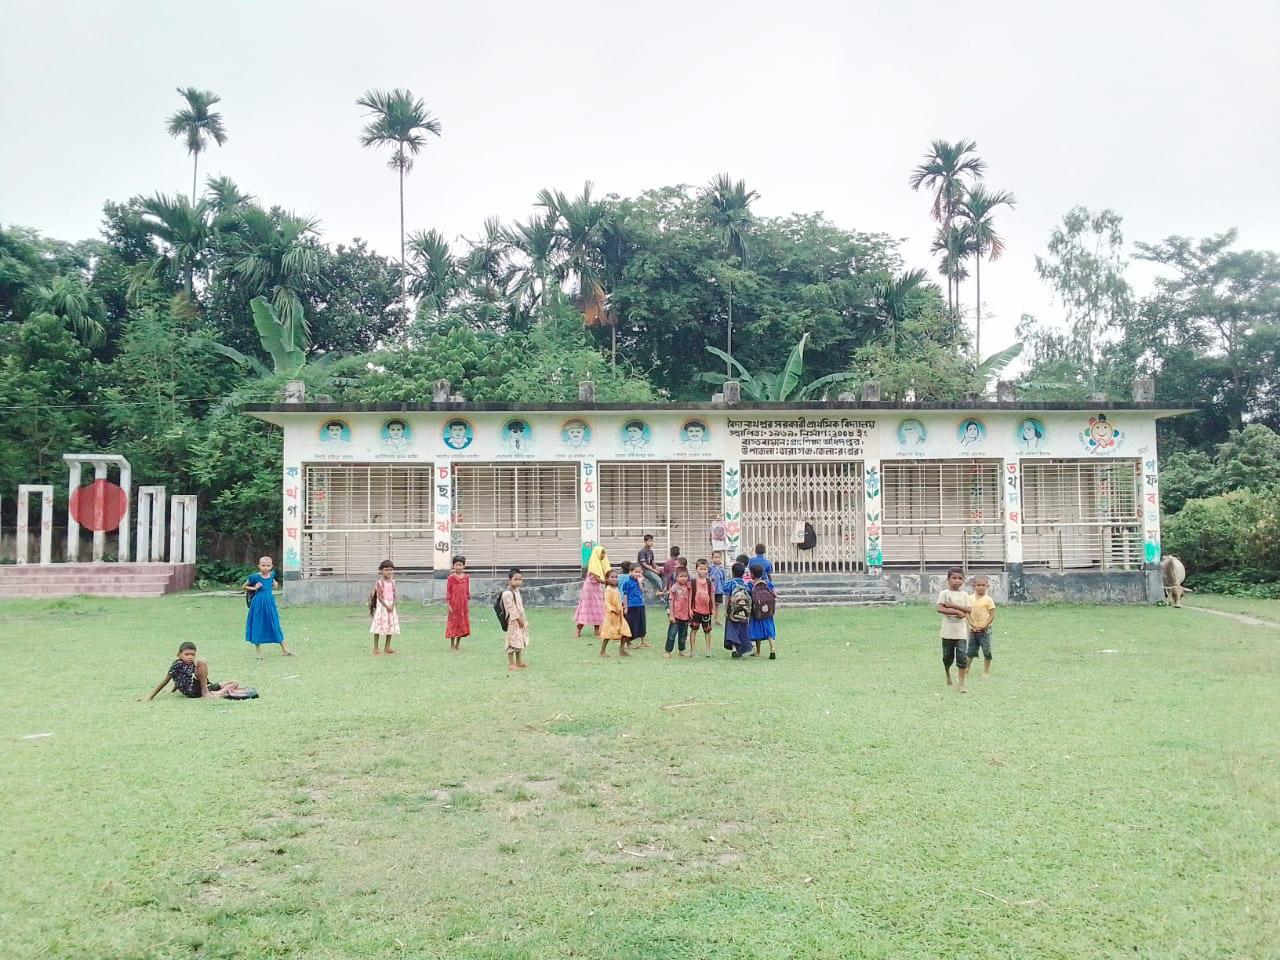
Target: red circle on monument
[99, 506]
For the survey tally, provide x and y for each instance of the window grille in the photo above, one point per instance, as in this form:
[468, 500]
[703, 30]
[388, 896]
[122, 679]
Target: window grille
[676, 502]
[1081, 514]
[779, 497]
[938, 512]
[355, 516]
[517, 515]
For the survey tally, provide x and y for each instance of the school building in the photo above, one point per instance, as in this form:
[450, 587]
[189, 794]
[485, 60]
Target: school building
[1051, 500]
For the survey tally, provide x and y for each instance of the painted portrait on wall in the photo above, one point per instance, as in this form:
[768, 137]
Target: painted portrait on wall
[636, 435]
[575, 434]
[458, 434]
[911, 434]
[396, 436]
[335, 432]
[695, 433]
[517, 436]
[1101, 436]
[971, 432]
[1031, 435]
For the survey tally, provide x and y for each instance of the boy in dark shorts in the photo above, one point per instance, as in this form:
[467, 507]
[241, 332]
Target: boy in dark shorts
[953, 604]
[703, 608]
[982, 615]
[631, 583]
[719, 575]
[649, 567]
[190, 677]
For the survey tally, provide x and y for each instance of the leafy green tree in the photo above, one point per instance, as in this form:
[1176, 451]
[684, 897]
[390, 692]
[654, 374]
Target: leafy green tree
[352, 299]
[728, 210]
[196, 124]
[435, 276]
[947, 170]
[69, 300]
[785, 385]
[977, 207]
[538, 248]
[273, 257]
[924, 359]
[400, 120]
[184, 231]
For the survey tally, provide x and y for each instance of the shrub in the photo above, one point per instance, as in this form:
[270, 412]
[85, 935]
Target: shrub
[1231, 533]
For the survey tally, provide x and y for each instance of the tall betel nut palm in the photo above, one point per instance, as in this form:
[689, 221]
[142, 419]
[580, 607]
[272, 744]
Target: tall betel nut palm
[977, 207]
[197, 125]
[944, 170]
[401, 120]
[728, 210]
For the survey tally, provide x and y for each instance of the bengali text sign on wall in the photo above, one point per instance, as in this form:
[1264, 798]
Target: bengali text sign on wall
[802, 436]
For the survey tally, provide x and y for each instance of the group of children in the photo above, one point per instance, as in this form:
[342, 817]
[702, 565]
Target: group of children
[967, 619]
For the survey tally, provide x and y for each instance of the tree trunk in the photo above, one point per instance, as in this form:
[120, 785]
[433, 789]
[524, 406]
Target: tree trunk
[977, 318]
[404, 288]
[195, 165]
[729, 339]
[613, 347]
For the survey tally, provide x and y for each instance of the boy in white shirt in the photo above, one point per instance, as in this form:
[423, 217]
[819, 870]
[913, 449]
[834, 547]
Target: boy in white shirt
[953, 604]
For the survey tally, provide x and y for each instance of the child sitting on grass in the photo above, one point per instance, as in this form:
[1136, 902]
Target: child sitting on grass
[190, 677]
[953, 604]
[982, 614]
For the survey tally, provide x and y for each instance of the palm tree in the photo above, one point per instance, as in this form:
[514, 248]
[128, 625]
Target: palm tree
[197, 125]
[728, 209]
[898, 298]
[944, 170]
[581, 223]
[539, 244]
[67, 298]
[955, 244]
[184, 232]
[401, 120]
[275, 256]
[486, 271]
[977, 208]
[434, 277]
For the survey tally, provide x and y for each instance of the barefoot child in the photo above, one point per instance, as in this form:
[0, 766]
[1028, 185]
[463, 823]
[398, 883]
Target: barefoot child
[982, 614]
[953, 604]
[262, 623]
[764, 603]
[719, 576]
[386, 621]
[737, 620]
[517, 625]
[615, 617]
[703, 608]
[190, 676]
[633, 591]
[679, 612]
[458, 593]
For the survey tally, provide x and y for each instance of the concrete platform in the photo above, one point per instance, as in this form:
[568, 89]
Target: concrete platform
[28, 581]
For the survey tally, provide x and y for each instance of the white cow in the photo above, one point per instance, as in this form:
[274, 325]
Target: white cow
[1172, 572]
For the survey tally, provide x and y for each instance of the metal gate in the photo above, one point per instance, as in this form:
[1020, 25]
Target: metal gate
[779, 497]
[517, 515]
[1082, 514]
[676, 502]
[943, 512]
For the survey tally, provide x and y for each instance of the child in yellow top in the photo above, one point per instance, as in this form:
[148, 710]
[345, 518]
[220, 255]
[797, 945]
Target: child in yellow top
[615, 625]
[982, 614]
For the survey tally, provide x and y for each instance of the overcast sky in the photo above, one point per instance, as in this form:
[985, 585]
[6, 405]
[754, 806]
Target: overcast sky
[1164, 111]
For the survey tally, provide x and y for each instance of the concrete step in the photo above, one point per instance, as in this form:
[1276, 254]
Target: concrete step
[846, 603]
[159, 580]
[33, 569]
[11, 593]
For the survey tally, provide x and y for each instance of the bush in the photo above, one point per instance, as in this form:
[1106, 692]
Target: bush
[1244, 583]
[222, 573]
[1234, 534]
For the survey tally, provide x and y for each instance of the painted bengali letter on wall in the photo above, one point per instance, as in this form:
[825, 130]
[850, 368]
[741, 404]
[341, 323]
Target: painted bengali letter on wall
[802, 436]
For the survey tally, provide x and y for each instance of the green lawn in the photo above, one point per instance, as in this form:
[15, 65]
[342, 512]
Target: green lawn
[1250, 607]
[1113, 791]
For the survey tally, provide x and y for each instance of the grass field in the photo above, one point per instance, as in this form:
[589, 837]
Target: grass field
[1113, 791]
[1262, 609]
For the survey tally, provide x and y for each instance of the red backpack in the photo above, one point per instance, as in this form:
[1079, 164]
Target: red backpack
[764, 602]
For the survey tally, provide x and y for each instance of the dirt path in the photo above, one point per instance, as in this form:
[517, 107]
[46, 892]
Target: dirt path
[1237, 617]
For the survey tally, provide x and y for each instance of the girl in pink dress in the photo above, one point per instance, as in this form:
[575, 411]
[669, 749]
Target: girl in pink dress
[591, 599]
[382, 603]
[458, 593]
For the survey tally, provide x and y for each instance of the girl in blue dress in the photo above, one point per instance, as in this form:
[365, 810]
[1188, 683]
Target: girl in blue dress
[262, 625]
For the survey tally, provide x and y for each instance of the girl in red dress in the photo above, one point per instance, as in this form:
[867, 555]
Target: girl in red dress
[458, 593]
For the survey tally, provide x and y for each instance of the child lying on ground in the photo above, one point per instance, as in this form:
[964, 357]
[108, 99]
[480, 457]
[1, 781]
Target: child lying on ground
[190, 677]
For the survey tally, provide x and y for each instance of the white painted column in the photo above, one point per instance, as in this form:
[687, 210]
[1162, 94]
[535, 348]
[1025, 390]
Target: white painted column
[1151, 551]
[126, 484]
[99, 536]
[733, 507]
[442, 492]
[873, 504]
[1011, 479]
[151, 505]
[182, 529]
[73, 525]
[291, 521]
[45, 491]
[589, 503]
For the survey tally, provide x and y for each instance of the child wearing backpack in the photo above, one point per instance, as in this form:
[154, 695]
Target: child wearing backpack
[513, 620]
[764, 604]
[737, 618]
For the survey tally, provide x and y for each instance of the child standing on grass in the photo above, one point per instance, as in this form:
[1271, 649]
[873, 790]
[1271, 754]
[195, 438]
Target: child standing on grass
[746, 567]
[386, 621]
[591, 599]
[719, 576]
[703, 608]
[761, 561]
[190, 677]
[953, 604]
[517, 625]
[670, 567]
[737, 619]
[262, 623]
[982, 615]
[615, 617]
[764, 603]
[633, 592]
[458, 592]
[679, 612]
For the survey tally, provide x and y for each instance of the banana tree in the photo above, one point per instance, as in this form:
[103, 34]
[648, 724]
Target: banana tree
[278, 341]
[777, 387]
